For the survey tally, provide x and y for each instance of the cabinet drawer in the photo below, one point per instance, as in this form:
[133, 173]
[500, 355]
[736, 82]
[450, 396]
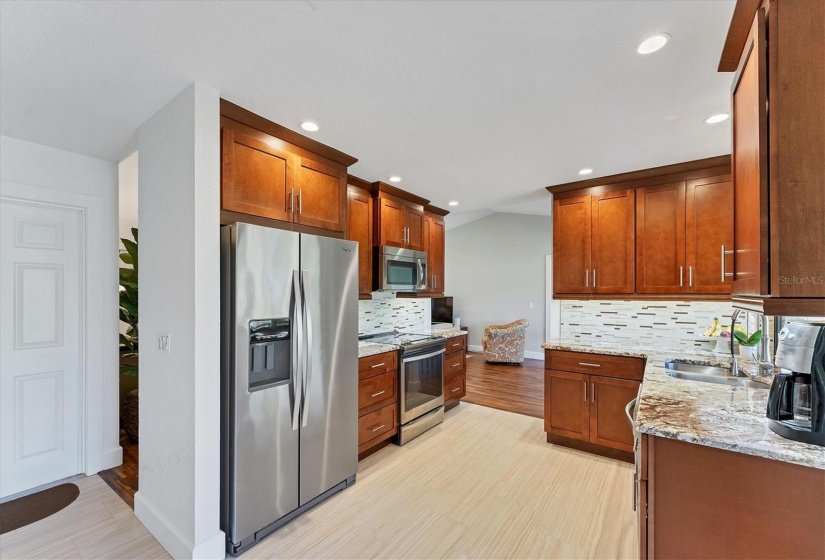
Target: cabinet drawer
[454, 387]
[455, 343]
[454, 364]
[375, 424]
[598, 364]
[379, 363]
[377, 388]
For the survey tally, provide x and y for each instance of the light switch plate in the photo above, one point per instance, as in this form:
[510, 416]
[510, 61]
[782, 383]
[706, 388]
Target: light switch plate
[165, 343]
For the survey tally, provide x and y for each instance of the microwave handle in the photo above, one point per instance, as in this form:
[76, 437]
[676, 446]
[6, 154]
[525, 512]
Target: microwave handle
[422, 275]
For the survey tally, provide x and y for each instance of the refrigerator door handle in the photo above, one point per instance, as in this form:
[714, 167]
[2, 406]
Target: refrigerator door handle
[308, 349]
[297, 356]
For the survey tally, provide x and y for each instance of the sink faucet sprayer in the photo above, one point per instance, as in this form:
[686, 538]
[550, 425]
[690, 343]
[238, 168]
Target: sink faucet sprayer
[761, 323]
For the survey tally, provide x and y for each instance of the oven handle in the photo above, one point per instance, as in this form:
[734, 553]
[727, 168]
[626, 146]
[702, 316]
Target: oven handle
[423, 357]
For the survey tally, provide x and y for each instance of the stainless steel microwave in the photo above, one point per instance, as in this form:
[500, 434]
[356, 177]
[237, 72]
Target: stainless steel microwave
[401, 270]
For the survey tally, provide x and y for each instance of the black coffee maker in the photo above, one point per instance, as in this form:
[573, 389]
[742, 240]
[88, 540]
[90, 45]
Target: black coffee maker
[796, 404]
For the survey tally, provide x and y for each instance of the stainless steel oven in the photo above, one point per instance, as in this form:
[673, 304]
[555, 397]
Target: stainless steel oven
[422, 389]
[402, 270]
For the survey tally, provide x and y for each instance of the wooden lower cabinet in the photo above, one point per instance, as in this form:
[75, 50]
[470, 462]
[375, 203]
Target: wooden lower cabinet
[377, 400]
[698, 502]
[585, 407]
[455, 371]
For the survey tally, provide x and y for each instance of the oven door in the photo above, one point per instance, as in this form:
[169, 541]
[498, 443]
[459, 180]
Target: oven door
[422, 383]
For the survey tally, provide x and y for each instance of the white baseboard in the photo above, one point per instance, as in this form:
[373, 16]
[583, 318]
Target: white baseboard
[176, 544]
[527, 354]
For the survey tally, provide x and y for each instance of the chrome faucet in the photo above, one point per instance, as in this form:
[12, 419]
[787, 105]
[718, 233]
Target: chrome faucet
[761, 323]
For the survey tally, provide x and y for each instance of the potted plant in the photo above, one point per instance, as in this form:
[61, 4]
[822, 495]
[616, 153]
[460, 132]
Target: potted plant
[129, 339]
[747, 343]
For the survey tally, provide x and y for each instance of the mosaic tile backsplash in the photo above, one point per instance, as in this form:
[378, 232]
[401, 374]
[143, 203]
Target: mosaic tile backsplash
[658, 324]
[384, 315]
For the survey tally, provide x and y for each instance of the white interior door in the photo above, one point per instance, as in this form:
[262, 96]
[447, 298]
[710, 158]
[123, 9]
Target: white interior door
[41, 336]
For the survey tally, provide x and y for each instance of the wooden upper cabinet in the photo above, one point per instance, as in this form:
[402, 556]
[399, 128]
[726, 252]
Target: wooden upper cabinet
[392, 222]
[414, 222]
[571, 245]
[256, 178]
[436, 255]
[608, 422]
[660, 239]
[749, 166]
[359, 229]
[709, 232]
[321, 195]
[612, 244]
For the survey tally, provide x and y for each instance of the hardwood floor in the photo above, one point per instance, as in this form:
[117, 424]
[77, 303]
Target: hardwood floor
[484, 484]
[124, 479]
[517, 389]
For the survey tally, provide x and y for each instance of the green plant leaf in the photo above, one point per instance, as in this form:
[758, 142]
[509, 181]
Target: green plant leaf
[740, 338]
[130, 370]
[126, 257]
[754, 339]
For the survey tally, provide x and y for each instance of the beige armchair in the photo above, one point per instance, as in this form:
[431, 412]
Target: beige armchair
[505, 343]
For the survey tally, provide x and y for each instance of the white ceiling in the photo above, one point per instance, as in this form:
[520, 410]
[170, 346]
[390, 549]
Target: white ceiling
[481, 102]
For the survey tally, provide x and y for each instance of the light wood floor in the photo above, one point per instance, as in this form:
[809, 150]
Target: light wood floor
[484, 484]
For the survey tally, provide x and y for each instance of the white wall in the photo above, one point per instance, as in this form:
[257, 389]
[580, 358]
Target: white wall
[127, 172]
[495, 267]
[179, 201]
[33, 172]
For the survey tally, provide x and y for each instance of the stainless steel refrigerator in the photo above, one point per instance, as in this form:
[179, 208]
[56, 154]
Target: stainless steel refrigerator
[289, 376]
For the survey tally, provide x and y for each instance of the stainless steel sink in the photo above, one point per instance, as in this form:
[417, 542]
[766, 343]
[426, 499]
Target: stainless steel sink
[709, 374]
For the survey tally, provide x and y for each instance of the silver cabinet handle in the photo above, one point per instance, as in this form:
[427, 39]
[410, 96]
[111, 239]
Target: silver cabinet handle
[594, 278]
[456, 364]
[586, 277]
[723, 253]
[456, 344]
[378, 365]
[587, 364]
[300, 201]
[375, 429]
[376, 394]
[690, 276]
[308, 323]
[291, 201]
[594, 392]
[628, 411]
[680, 276]
[456, 389]
[585, 391]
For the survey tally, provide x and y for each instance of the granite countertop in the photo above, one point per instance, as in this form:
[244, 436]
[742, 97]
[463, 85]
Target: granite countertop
[367, 348]
[721, 416]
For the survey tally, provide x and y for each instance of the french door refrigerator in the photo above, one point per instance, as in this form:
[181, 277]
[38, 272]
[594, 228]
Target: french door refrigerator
[289, 376]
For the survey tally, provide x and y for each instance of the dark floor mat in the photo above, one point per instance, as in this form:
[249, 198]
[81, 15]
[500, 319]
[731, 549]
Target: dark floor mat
[34, 507]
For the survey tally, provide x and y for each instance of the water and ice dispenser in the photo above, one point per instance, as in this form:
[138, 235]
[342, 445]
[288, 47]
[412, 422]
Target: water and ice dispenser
[270, 345]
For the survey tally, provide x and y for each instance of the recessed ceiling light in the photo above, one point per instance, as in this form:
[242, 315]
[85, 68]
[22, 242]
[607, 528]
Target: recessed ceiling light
[717, 118]
[453, 203]
[653, 44]
[394, 179]
[586, 171]
[309, 126]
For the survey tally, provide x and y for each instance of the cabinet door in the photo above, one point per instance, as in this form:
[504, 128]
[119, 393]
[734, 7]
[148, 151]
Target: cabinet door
[608, 422]
[571, 245]
[613, 243]
[709, 228]
[256, 178]
[749, 167]
[321, 192]
[359, 228]
[660, 239]
[392, 223]
[567, 411]
[414, 221]
[435, 256]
